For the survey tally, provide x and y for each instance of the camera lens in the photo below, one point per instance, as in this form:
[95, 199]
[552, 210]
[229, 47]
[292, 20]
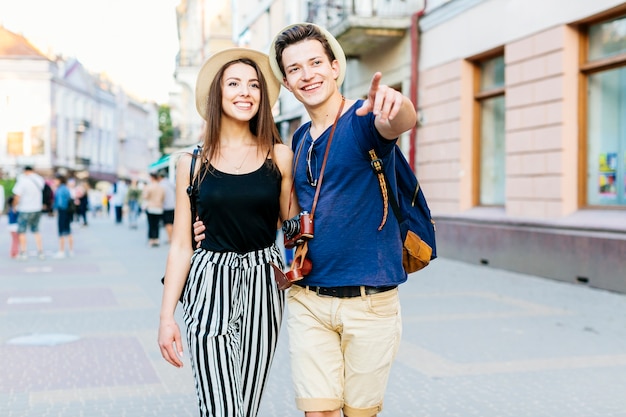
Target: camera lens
[291, 227]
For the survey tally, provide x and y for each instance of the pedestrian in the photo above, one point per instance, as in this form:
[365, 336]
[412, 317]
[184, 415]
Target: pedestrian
[28, 190]
[153, 197]
[47, 199]
[81, 202]
[63, 204]
[12, 215]
[168, 204]
[232, 306]
[133, 201]
[119, 195]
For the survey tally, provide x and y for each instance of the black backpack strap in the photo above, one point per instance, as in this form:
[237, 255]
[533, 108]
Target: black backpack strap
[192, 190]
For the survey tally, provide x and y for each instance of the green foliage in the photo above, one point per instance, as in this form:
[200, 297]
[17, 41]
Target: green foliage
[165, 126]
[8, 187]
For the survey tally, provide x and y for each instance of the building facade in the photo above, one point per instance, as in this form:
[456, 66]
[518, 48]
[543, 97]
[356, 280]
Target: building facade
[521, 141]
[204, 27]
[58, 117]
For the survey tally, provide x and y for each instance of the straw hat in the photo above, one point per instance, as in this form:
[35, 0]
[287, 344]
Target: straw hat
[340, 56]
[212, 65]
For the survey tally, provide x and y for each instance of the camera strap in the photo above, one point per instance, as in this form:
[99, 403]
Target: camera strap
[319, 181]
[330, 139]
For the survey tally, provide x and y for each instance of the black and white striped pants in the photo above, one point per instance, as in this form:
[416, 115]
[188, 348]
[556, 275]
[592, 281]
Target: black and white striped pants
[233, 311]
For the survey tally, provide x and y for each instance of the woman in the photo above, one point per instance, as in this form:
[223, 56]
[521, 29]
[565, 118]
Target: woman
[232, 306]
[153, 197]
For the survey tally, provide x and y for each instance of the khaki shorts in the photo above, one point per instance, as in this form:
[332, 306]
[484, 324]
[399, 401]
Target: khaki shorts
[342, 349]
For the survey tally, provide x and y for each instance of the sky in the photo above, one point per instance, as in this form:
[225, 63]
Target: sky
[134, 42]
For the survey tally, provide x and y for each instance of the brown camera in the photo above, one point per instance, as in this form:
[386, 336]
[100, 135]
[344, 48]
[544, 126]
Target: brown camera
[298, 229]
[300, 267]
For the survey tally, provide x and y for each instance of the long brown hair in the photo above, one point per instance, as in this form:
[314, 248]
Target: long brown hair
[262, 125]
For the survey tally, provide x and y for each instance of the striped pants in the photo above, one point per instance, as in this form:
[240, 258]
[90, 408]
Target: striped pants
[233, 311]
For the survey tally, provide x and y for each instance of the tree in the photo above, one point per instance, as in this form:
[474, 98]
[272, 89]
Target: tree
[165, 126]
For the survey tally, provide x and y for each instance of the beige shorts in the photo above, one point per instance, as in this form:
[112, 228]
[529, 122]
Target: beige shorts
[342, 349]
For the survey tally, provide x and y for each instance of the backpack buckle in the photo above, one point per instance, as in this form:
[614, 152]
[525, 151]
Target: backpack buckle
[377, 165]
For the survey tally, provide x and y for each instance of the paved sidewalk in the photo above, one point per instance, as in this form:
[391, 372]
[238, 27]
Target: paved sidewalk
[78, 338]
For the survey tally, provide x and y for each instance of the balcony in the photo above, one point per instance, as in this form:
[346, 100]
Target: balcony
[362, 26]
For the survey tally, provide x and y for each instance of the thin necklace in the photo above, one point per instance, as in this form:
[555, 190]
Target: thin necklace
[237, 168]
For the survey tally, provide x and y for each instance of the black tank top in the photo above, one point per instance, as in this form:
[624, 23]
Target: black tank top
[240, 212]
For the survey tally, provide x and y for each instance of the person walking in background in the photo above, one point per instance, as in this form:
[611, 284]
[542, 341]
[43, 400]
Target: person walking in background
[28, 190]
[168, 204]
[62, 205]
[231, 303]
[72, 187]
[12, 215]
[81, 202]
[153, 197]
[119, 195]
[47, 199]
[133, 201]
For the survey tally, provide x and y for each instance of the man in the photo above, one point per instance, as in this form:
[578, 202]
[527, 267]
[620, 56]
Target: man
[119, 195]
[344, 316]
[28, 190]
[168, 204]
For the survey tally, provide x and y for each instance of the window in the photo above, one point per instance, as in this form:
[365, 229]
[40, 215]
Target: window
[605, 71]
[490, 148]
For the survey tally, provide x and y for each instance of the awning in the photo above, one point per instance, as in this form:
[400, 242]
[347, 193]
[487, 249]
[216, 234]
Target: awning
[162, 163]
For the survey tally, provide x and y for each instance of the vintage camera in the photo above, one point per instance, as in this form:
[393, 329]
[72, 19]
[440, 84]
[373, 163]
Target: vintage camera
[298, 229]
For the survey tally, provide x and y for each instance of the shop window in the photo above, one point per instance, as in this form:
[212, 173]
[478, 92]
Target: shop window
[490, 149]
[15, 143]
[605, 70]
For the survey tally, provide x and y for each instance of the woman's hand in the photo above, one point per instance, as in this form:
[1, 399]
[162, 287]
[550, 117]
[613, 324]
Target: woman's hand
[170, 342]
[198, 232]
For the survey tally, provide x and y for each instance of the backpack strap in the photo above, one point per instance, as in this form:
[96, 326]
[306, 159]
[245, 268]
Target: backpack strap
[383, 182]
[192, 190]
[377, 166]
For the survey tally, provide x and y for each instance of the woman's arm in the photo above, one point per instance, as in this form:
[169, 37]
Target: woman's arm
[177, 267]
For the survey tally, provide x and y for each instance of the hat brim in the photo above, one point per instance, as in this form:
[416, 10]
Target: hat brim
[211, 67]
[340, 56]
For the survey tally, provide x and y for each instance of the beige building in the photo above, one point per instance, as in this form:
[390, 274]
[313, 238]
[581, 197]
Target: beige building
[521, 142]
[58, 116]
[522, 146]
[204, 27]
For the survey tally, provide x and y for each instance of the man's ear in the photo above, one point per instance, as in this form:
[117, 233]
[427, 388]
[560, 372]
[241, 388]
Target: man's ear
[287, 85]
[336, 69]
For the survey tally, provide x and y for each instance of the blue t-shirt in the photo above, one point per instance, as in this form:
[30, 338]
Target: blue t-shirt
[348, 248]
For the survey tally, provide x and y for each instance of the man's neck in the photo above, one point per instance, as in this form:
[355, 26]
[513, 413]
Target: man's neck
[324, 115]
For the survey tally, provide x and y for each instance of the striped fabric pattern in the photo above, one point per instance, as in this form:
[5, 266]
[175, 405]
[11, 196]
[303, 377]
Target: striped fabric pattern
[233, 312]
